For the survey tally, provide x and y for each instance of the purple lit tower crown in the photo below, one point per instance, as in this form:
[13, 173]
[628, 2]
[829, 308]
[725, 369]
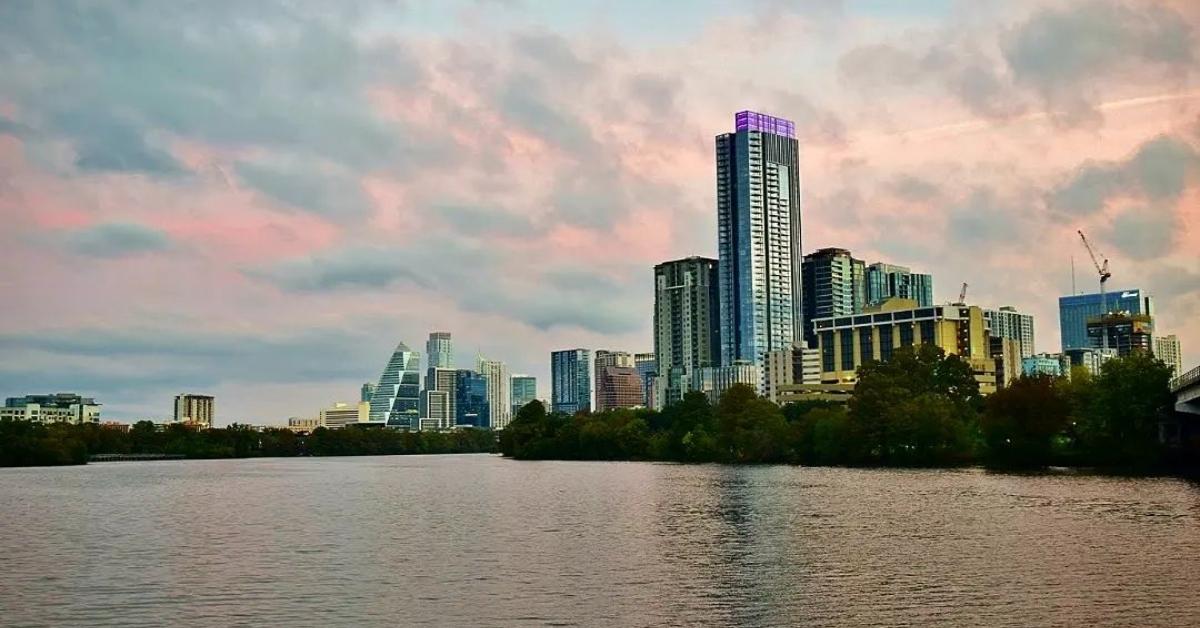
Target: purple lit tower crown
[754, 121]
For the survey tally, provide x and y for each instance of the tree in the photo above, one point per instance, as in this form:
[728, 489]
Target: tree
[1022, 420]
[1130, 397]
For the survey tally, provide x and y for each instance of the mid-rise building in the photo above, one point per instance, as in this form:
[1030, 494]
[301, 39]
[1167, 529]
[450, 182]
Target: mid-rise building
[1007, 354]
[435, 409]
[56, 408]
[834, 285]
[1122, 332]
[440, 349]
[647, 367]
[845, 342]
[786, 367]
[713, 381]
[758, 237]
[197, 410]
[611, 369]
[341, 414]
[889, 281]
[441, 380]
[396, 399]
[686, 325]
[471, 400]
[571, 381]
[499, 391]
[524, 390]
[1007, 322]
[303, 425]
[1051, 364]
[1090, 359]
[1167, 349]
[1076, 311]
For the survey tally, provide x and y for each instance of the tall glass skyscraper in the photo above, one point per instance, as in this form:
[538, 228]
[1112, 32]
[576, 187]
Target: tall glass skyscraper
[524, 390]
[571, 381]
[396, 399]
[471, 399]
[885, 281]
[499, 391]
[686, 325]
[1075, 311]
[440, 349]
[758, 237]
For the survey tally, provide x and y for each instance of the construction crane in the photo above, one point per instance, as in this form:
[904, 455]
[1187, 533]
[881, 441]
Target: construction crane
[962, 295]
[1102, 270]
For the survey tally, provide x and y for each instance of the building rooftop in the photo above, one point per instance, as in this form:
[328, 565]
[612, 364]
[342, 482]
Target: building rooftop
[754, 121]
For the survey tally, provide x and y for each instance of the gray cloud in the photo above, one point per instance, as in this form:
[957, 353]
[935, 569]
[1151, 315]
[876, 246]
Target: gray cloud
[116, 239]
[1159, 171]
[306, 184]
[1059, 53]
[1144, 233]
[470, 220]
[351, 268]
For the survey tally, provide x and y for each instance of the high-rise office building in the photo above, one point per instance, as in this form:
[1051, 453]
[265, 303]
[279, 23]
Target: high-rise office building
[365, 393]
[194, 409]
[1075, 311]
[440, 350]
[1167, 349]
[442, 380]
[686, 324]
[758, 237]
[1007, 322]
[571, 381]
[471, 400]
[499, 384]
[647, 367]
[60, 407]
[396, 400]
[886, 281]
[834, 285]
[618, 387]
[524, 390]
[713, 381]
[435, 409]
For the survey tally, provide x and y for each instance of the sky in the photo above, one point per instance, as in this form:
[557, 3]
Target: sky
[258, 200]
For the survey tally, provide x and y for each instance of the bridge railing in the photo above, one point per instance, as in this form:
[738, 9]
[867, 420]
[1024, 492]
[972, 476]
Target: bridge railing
[1185, 380]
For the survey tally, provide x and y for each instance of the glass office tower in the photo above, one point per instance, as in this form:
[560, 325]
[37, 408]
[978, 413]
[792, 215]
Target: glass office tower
[758, 237]
[1075, 311]
[395, 401]
[571, 381]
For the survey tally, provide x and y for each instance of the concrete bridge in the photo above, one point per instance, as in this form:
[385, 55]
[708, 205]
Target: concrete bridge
[1186, 389]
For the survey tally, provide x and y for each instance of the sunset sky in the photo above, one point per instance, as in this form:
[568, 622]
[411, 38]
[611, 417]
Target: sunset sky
[258, 200]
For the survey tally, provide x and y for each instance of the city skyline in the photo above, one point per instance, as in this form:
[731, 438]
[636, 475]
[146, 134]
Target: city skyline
[273, 257]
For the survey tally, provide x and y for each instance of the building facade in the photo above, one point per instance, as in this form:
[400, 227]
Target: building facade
[440, 350]
[1075, 311]
[1007, 322]
[713, 381]
[341, 414]
[1050, 364]
[1007, 354]
[889, 281]
[834, 285]
[471, 400]
[396, 399]
[195, 409]
[1090, 359]
[686, 325]
[785, 367]
[499, 383]
[56, 408]
[524, 390]
[366, 391]
[1167, 349]
[619, 387]
[571, 381]
[758, 237]
[845, 342]
[440, 380]
[1122, 332]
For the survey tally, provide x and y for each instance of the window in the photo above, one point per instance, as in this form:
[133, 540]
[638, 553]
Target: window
[866, 346]
[847, 338]
[906, 334]
[885, 343]
[926, 332]
[827, 351]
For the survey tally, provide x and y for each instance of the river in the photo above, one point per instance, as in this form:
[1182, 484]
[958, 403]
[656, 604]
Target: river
[484, 541]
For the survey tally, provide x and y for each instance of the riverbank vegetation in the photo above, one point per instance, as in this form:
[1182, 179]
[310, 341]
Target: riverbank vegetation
[922, 408]
[30, 444]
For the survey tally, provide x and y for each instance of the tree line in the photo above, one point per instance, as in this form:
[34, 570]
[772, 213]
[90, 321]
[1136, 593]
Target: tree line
[23, 443]
[921, 408]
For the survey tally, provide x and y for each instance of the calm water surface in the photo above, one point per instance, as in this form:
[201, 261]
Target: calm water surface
[482, 541]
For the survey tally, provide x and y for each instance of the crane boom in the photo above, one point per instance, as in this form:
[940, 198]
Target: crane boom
[962, 294]
[1101, 269]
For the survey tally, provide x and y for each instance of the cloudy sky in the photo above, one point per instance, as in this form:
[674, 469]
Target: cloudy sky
[259, 199]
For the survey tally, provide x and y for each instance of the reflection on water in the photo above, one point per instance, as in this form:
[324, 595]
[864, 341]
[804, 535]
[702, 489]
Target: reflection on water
[477, 540]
